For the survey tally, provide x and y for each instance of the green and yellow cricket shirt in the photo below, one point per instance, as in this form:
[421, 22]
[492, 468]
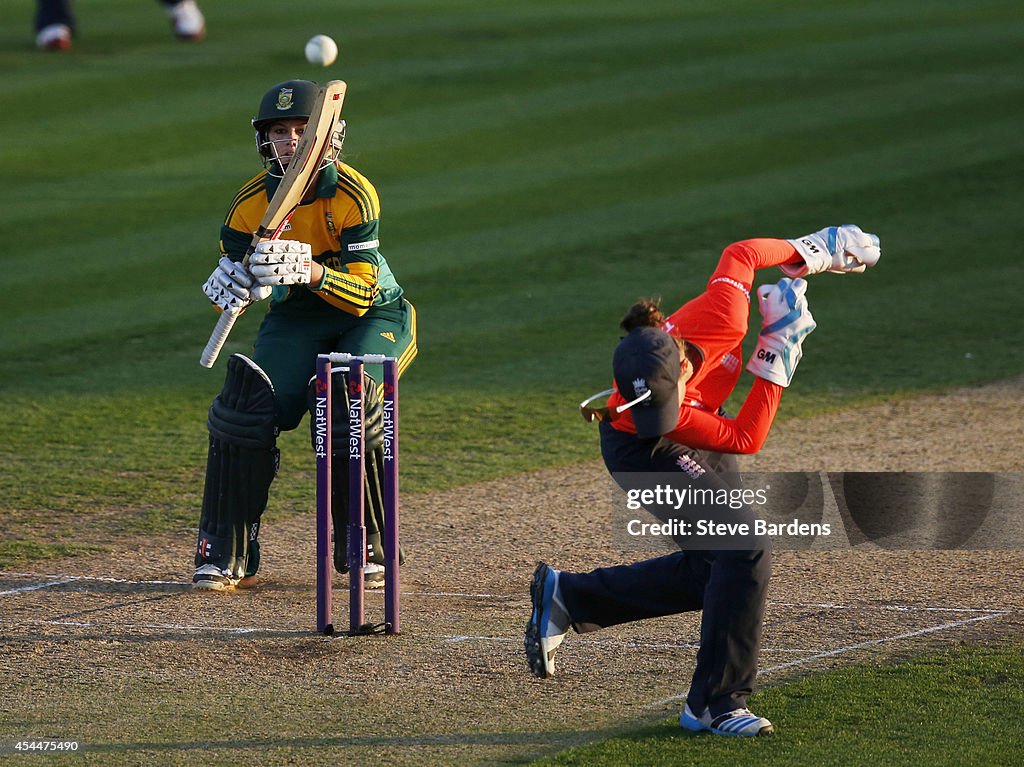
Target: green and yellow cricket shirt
[341, 225]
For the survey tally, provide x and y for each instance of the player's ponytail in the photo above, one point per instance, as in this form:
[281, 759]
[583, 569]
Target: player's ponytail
[645, 313]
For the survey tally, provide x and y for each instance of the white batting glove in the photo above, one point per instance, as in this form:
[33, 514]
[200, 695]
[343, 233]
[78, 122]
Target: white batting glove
[282, 262]
[839, 249]
[785, 322]
[232, 288]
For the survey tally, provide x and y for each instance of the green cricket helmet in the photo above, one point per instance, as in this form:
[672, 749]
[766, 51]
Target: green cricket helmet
[290, 100]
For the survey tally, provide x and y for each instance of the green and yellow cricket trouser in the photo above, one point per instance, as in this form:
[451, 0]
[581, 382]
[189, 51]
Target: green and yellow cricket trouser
[291, 336]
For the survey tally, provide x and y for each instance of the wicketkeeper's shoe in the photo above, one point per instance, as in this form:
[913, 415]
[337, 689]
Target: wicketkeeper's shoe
[549, 621]
[212, 578]
[187, 21]
[373, 576]
[54, 37]
[690, 721]
[740, 722]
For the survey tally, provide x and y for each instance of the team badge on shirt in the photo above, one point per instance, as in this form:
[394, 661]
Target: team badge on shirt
[730, 362]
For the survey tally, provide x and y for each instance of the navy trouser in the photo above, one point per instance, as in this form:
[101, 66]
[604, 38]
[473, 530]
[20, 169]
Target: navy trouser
[729, 586]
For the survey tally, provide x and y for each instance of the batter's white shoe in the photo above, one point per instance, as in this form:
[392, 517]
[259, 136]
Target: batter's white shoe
[549, 621]
[212, 578]
[739, 722]
[373, 576]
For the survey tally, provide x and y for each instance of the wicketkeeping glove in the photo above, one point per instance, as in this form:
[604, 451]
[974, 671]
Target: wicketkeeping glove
[785, 322]
[281, 262]
[839, 249]
[232, 288]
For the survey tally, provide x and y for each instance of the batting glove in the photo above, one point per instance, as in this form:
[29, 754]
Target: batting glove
[281, 262]
[785, 322]
[841, 249]
[232, 288]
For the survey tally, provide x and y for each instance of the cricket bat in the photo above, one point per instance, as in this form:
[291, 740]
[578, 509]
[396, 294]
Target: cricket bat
[298, 179]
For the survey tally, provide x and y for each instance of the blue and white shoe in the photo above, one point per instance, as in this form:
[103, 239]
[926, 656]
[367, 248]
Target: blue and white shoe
[549, 621]
[689, 721]
[739, 722]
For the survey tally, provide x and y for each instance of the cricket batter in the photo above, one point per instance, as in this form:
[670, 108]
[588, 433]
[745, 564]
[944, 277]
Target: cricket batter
[330, 290]
[664, 415]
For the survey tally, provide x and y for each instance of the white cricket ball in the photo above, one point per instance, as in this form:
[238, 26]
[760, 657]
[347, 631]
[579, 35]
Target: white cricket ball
[321, 50]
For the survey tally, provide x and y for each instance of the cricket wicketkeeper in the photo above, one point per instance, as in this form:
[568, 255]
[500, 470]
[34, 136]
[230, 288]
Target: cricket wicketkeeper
[330, 290]
[664, 416]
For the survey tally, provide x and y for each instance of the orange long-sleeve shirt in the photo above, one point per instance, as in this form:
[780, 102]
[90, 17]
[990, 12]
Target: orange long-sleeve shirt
[715, 322]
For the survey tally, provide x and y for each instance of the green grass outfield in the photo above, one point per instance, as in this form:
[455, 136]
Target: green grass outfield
[945, 708]
[541, 165]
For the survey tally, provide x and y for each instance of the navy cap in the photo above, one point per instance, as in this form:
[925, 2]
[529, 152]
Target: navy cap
[646, 370]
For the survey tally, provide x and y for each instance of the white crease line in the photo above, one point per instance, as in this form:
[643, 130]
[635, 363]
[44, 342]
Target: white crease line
[871, 642]
[451, 638]
[173, 627]
[69, 578]
[850, 648]
[897, 608]
[36, 586]
[56, 580]
[454, 638]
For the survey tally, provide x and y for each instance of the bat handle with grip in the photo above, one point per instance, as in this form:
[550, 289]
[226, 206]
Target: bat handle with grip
[217, 339]
[227, 321]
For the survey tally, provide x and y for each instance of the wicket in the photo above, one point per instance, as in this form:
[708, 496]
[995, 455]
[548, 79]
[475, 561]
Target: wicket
[356, 553]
